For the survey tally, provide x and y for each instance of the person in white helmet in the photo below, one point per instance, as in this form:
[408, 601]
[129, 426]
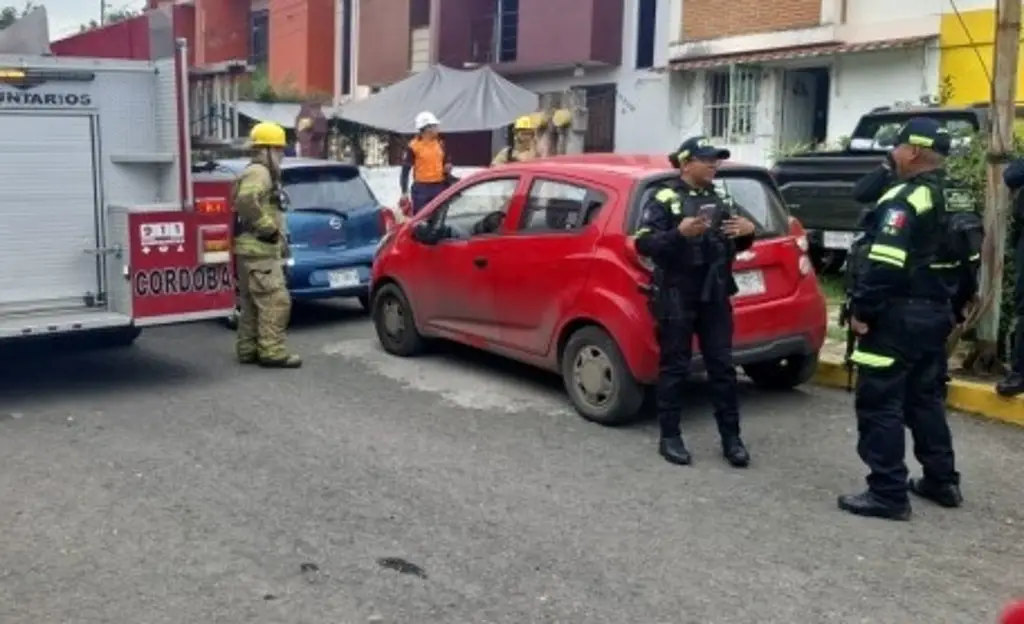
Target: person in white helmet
[426, 159]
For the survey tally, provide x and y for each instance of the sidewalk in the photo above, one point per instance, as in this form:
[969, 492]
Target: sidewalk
[973, 397]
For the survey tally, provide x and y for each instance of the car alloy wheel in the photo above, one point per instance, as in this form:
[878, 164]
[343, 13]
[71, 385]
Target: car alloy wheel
[598, 379]
[593, 375]
[394, 323]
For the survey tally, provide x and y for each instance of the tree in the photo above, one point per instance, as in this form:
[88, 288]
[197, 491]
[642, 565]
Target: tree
[111, 17]
[10, 14]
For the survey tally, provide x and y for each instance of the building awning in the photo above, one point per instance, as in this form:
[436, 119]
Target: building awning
[281, 113]
[794, 53]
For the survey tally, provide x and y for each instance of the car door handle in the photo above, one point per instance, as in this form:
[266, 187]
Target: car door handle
[480, 262]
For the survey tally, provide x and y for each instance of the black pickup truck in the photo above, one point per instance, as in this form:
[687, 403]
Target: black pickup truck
[817, 185]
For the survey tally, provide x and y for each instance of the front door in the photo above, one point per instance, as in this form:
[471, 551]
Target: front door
[459, 300]
[545, 261]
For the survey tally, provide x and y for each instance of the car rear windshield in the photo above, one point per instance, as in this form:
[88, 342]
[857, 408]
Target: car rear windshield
[337, 188]
[755, 196]
[872, 128]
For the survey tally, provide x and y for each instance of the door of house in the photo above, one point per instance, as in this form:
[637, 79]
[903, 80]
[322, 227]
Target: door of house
[600, 134]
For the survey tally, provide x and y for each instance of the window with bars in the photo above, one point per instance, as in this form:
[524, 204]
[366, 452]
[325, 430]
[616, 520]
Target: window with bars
[730, 105]
[259, 37]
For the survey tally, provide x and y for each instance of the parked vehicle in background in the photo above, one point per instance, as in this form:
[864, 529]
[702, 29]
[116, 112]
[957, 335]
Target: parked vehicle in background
[98, 230]
[534, 261]
[817, 186]
[334, 225]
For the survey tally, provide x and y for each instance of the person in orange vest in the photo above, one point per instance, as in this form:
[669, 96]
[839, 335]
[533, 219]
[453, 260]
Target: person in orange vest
[426, 159]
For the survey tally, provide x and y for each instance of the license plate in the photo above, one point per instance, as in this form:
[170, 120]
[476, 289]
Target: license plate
[749, 283]
[839, 240]
[343, 279]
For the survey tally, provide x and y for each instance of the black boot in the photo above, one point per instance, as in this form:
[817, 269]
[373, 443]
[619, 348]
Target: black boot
[871, 506]
[1011, 386]
[674, 451]
[945, 494]
[735, 452]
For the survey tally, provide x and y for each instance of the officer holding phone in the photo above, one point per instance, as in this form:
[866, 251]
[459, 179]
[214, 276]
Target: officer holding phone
[692, 232]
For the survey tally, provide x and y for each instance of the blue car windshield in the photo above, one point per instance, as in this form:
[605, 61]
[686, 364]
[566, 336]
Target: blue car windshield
[338, 188]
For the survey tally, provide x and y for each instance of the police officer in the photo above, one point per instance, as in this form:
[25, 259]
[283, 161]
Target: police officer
[1013, 384]
[260, 247]
[692, 232]
[902, 313]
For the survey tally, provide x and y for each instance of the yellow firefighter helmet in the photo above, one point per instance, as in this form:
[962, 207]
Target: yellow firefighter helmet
[267, 134]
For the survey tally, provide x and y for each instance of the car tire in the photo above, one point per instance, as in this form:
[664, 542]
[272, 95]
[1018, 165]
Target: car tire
[783, 373]
[394, 323]
[598, 380]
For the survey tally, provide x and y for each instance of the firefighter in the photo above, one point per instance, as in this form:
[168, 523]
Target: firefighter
[901, 311]
[692, 232]
[1013, 384]
[524, 143]
[426, 158]
[261, 245]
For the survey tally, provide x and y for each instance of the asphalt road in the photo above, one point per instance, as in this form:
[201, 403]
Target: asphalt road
[164, 484]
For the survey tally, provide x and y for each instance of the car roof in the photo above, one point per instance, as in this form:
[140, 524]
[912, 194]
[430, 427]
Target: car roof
[631, 166]
[237, 164]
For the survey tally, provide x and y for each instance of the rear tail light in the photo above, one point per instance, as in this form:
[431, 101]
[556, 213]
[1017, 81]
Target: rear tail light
[387, 220]
[211, 205]
[796, 230]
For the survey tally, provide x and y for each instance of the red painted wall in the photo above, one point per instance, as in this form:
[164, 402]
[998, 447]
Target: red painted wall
[221, 30]
[127, 40]
[302, 44]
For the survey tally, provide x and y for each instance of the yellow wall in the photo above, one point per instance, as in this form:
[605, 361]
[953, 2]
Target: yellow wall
[960, 60]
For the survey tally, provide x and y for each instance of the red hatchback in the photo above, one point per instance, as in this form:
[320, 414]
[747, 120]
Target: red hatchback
[534, 261]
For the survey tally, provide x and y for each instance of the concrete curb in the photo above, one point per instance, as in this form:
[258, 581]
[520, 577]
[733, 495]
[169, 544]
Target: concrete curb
[965, 396]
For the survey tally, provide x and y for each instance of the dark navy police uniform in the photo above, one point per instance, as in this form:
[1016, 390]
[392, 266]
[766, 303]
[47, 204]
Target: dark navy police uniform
[691, 297]
[1013, 385]
[905, 301]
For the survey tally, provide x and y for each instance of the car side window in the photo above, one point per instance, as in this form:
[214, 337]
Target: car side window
[554, 206]
[477, 209]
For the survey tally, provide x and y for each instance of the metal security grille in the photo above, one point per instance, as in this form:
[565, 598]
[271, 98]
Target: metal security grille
[730, 104]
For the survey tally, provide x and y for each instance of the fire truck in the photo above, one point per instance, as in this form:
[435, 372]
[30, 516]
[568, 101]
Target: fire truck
[100, 228]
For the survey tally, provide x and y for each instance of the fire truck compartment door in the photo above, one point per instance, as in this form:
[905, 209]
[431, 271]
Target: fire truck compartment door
[50, 231]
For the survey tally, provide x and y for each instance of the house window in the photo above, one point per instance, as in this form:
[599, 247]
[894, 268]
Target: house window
[730, 104]
[259, 37]
[506, 29]
[646, 20]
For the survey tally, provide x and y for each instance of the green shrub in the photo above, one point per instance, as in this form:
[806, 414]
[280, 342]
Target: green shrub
[967, 165]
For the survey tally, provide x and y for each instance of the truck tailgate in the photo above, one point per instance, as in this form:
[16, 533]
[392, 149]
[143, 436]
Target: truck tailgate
[817, 188]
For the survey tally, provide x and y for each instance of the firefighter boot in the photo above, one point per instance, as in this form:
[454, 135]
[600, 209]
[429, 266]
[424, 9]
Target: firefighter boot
[288, 361]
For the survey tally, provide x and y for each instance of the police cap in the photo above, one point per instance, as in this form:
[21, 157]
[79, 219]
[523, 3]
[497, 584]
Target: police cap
[697, 147]
[926, 133]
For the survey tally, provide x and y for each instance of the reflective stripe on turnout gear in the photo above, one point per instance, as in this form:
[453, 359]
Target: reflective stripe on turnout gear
[871, 360]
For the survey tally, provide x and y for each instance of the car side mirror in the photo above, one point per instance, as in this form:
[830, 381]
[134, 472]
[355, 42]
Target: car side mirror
[422, 233]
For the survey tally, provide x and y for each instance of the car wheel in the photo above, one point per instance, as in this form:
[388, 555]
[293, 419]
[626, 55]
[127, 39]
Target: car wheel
[364, 301]
[784, 373]
[394, 323]
[598, 380]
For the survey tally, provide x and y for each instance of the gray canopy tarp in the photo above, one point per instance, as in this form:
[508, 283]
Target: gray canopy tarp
[464, 101]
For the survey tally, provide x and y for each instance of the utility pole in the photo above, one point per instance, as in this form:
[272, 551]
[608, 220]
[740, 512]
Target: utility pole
[1000, 146]
[103, 12]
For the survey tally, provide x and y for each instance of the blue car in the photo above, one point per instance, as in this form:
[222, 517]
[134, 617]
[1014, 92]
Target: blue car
[334, 225]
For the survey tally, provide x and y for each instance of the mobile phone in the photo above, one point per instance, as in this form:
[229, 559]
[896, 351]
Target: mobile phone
[707, 212]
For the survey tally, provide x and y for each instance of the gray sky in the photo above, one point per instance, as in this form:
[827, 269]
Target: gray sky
[67, 15]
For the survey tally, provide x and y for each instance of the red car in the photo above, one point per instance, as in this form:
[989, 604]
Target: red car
[534, 261]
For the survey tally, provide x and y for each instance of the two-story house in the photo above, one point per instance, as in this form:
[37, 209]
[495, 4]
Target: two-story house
[762, 75]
